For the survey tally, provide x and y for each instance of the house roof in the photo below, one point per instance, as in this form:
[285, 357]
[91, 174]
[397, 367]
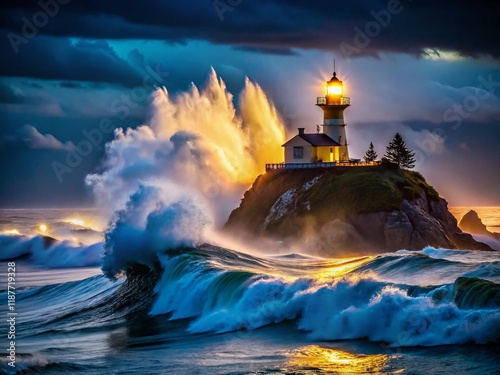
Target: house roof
[315, 140]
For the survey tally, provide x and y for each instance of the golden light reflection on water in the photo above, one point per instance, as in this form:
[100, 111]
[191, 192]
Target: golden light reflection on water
[316, 359]
[323, 271]
[343, 268]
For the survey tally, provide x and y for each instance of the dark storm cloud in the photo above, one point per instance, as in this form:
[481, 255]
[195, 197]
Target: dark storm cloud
[11, 95]
[33, 85]
[56, 58]
[35, 139]
[274, 26]
[270, 50]
[26, 159]
[7, 94]
[71, 85]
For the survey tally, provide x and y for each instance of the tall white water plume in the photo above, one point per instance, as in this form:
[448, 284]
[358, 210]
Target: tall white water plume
[198, 150]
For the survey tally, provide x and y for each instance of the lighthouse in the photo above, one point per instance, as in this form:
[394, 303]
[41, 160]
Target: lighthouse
[325, 149]
[333, 105]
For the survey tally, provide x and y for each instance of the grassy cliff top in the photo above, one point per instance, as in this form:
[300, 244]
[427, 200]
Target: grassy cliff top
[338, 192]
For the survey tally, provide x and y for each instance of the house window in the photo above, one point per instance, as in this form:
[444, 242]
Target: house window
[298, 152]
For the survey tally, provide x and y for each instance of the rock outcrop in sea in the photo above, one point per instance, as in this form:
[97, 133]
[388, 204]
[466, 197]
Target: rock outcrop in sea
[471, 222]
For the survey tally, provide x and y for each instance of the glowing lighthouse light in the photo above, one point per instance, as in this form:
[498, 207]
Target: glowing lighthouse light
[334, 86]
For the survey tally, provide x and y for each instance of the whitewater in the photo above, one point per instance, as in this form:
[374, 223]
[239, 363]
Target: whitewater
[149, 284]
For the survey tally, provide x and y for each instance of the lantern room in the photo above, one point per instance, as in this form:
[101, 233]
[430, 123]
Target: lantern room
[334, 86]
[334, 90]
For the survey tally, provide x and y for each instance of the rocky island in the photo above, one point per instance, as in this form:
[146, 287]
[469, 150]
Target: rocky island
[349, 210]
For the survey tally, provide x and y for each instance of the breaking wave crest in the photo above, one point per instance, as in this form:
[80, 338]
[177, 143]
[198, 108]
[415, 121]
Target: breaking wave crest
[356, 305]
[208, 289]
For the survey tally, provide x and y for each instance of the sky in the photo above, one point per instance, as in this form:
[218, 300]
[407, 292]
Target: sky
[73, 70]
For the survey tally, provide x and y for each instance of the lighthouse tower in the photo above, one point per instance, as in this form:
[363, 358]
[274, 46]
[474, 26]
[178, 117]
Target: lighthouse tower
[333, 106]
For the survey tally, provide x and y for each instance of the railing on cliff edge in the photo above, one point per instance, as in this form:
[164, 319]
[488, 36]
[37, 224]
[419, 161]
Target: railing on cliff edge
[350, 163]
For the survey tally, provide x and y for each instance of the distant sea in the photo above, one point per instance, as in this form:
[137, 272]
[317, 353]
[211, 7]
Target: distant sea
[211, 310]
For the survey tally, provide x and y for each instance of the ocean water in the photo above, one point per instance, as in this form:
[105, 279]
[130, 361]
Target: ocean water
[209, 310]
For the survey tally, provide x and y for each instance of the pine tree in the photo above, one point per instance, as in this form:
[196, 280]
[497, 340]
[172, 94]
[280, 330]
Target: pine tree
[370, 155]
[397, 152]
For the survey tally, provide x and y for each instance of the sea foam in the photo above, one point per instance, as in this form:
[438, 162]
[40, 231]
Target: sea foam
[354, 306]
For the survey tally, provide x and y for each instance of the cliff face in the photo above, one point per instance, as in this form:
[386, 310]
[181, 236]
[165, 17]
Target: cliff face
[349, 210]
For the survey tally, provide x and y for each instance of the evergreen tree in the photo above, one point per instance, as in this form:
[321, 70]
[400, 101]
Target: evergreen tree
[397, 152]
[370, 155]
